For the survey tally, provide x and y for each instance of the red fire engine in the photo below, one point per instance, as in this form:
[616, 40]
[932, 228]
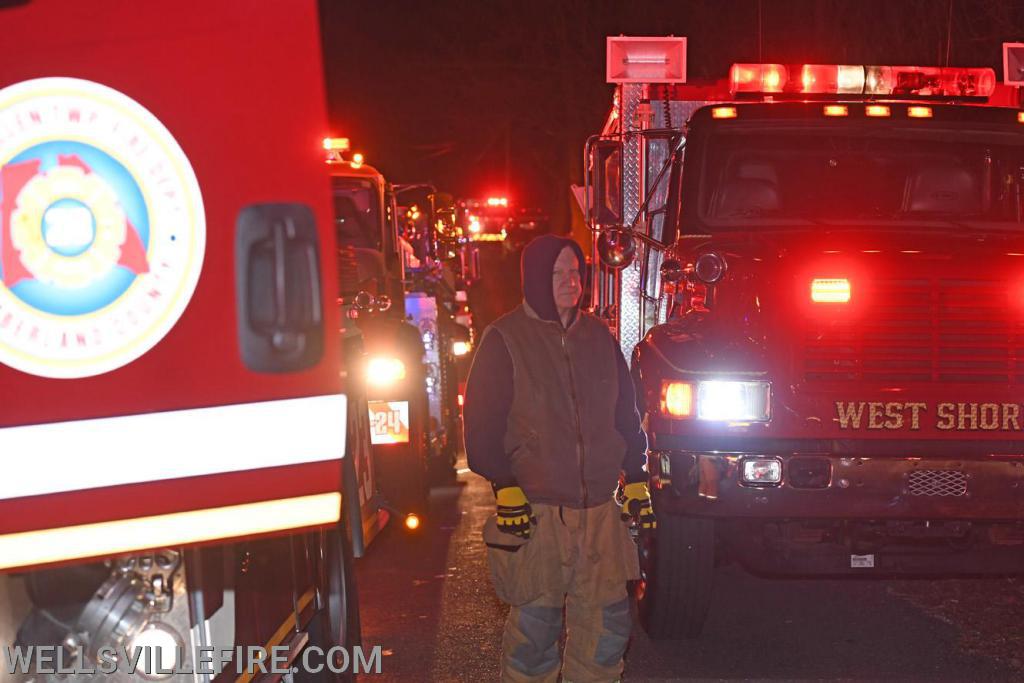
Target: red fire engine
[177, 434]
[408, 445]
[825, 316]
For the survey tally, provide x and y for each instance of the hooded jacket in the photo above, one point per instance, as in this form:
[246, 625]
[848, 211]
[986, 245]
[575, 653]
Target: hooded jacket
[552, 408]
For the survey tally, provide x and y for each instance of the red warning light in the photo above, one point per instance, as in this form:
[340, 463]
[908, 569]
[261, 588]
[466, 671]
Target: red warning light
[837, 79]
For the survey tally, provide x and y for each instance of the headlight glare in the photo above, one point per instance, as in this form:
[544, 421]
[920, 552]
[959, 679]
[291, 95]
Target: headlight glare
[383, 371]
[729, 401]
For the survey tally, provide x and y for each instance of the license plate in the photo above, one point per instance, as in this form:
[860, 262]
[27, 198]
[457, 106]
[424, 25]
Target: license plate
[389, 422]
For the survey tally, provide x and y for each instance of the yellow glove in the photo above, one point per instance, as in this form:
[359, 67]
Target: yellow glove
[636, 504]
[514, 513]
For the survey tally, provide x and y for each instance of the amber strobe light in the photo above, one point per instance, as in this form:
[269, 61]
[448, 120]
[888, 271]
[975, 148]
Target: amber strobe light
[878, 110]
[677, 399]
[830, 290]
[412, 521]
[836, 110]
[916, 112]
[723, 113]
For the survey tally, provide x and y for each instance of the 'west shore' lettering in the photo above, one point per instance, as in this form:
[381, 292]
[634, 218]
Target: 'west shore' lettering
[918, 416]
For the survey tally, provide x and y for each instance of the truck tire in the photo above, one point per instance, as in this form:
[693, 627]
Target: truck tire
[338, 622]
[677, 568]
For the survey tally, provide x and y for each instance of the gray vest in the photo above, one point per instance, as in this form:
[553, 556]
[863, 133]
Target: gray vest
[561, 437]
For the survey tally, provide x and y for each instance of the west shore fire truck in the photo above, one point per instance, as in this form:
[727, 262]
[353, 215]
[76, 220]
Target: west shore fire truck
[184, 453]
[818, 274]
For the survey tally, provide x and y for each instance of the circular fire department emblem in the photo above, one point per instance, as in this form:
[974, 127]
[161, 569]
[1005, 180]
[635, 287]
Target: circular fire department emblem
[102, 228]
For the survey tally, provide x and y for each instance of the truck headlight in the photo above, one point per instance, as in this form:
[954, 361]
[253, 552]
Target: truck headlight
[717, 400]
[383, 371]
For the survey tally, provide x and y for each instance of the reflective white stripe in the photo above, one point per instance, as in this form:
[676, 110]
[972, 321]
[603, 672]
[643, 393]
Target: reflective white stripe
[112, 538]
[85, 454]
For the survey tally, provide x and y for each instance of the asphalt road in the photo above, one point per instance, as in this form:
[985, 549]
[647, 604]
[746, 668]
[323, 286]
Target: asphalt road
[426, 599]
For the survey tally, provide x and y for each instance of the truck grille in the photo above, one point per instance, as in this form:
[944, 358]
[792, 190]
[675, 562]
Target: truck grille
[937, 483]
[921, 330]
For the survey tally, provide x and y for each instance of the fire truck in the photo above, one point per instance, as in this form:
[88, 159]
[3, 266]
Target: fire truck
[184, 451]
[817, 272]
[408, 442]
[439, 270]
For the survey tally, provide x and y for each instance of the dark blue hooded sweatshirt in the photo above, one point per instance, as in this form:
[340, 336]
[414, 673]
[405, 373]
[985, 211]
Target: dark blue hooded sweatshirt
[490, 393]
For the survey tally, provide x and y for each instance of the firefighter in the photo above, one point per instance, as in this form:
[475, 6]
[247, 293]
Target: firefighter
[551, 422]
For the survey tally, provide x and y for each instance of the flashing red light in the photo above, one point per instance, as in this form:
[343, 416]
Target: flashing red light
[830, 290]
[855, 79]
[832, 78]
[1020, 117]
[767, 78]
[462, 400]
[497, 201]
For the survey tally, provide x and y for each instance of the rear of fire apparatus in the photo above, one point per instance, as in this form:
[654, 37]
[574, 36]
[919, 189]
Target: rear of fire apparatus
[393, 353]
[439, 269]
[818, 274]
[178, 435]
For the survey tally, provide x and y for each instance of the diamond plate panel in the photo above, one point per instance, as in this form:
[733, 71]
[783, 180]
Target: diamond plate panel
[629, 293]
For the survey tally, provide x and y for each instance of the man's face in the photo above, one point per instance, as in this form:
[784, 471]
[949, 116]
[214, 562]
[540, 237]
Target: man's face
[565, 281]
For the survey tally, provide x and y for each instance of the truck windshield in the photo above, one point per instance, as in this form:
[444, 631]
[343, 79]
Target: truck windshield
[807, 176]
[357, 213]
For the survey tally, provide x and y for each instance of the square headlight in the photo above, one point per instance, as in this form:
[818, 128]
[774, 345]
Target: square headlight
[729, 401]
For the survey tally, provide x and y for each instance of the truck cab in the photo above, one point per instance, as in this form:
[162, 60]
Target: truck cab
[828, 375]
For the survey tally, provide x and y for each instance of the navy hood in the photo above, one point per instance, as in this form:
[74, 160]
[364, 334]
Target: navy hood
[538, 266]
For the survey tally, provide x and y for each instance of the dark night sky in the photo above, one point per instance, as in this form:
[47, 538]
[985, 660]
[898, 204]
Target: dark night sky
[466, 93]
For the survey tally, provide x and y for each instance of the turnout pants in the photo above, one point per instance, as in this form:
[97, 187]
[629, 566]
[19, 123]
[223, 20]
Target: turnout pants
[576, 559]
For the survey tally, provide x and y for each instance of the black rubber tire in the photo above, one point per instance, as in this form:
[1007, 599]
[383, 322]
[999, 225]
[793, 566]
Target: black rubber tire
[677, 566]
[338, 622]
[342, 597]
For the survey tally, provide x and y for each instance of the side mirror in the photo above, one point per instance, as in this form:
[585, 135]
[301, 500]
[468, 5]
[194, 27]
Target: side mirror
[606, 172]
[616, 247]
[671, 271]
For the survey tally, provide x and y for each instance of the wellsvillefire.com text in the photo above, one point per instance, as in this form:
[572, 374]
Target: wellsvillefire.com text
[165, 661]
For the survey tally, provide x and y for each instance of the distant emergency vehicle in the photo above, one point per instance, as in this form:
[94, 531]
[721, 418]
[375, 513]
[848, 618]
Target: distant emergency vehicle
[818, 271]
[408, 442]
[179, 441]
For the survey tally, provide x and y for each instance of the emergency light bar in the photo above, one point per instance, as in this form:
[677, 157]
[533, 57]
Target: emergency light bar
[848, 79]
